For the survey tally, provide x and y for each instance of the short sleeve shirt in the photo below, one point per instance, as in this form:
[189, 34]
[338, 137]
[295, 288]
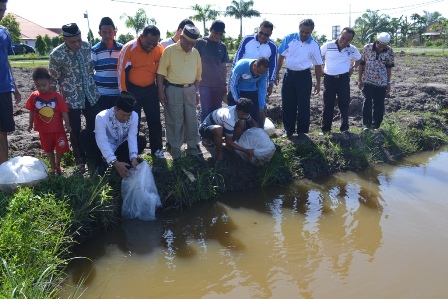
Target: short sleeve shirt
[213, 55]
[225, 117]
[376, 64]
[6, 79]
[47, 109]
[338, 61]
[300, 55]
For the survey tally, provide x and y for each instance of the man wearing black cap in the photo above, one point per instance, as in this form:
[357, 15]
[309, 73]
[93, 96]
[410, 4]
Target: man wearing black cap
[115, 137]
[71, 65]
[180, 69]
[214, 57]
[105, 61]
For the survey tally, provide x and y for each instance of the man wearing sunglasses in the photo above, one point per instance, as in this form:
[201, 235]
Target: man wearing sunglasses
[260, 45]
[374, 75]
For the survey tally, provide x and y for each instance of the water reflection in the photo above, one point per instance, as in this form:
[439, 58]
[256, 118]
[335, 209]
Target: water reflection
[311, 239]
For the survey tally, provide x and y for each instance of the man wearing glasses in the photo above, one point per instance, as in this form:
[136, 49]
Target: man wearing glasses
[374, 75]
[341, 58]
[260, 45]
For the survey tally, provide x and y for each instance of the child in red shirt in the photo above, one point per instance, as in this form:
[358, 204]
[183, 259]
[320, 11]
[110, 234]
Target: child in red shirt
[47, 109]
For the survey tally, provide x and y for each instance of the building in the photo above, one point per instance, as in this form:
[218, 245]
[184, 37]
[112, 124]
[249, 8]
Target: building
[29, 31]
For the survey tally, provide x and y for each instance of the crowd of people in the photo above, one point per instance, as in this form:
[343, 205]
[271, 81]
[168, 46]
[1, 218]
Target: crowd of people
[110, 83]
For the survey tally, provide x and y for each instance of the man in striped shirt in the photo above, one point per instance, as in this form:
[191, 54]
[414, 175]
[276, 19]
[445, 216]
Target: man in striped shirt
[137, 69]
[341, 58]
[105, 61]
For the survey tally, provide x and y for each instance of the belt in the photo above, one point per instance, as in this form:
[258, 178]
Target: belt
[292, 71]
[186, 85]
[337, 76]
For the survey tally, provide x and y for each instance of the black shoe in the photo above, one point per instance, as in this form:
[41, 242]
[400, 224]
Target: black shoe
[99, 171]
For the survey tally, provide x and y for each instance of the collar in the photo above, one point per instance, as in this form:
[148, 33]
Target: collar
[256, 38]
[103, 44]
[336, 42]
[374, 48]
[308, 41]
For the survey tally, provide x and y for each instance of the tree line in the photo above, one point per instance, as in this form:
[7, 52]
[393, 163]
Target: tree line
[366, 27]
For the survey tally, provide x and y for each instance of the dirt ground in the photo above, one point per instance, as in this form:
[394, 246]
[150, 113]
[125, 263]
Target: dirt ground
[420, 83]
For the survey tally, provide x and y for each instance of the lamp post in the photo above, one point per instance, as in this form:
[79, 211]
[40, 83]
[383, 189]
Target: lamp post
[86, 16]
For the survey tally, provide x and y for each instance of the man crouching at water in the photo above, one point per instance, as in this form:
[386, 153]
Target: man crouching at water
[115, 137]
[229, 122]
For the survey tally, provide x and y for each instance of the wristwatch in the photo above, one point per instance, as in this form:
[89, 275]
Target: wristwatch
[113, 162]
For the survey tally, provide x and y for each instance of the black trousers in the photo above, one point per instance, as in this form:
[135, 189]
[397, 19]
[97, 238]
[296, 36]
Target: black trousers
[376, 95]
[147, 99]
[340, 87]
[296, 95]
[74, 116]
[94, 154]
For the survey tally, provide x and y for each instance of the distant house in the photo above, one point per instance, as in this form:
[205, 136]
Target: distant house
[432, 32]
[29, 31]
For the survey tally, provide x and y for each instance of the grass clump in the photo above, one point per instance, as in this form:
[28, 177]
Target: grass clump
[38, 227]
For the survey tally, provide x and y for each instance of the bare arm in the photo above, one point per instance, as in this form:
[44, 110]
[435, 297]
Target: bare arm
[279, 67]
[389, 76]
[224, 76]
[360, 72]
[161, 88]
[66, 122]
[17, 94]
[30, 121]
[318, 73]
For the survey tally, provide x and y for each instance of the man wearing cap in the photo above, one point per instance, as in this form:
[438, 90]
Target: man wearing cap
[260, 45]
[7, 88]
[71, 65]
[180, 69]
[248, 79]
[137, 67]
[301, 52]
[374, 75]
[105, 61]
[115, 137]
[341, 58]
[214, 57]
[172, 40]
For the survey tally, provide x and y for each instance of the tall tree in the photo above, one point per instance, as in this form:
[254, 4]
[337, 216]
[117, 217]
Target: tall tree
[137, 22]
[10, 22]
[241, 9]
[204, 14]
[41, 45]
[369, 25]
[430, 17]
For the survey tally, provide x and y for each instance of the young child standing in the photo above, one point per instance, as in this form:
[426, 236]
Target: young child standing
[47, 110]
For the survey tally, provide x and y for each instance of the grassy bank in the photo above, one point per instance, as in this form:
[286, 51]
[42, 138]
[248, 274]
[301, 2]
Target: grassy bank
[39, 225]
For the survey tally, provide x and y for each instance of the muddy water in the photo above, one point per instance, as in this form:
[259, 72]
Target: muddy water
[380, 233]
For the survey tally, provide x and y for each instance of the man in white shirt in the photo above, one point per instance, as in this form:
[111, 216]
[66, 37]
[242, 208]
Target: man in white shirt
[341, 58]
[301, 52]
[115, 137]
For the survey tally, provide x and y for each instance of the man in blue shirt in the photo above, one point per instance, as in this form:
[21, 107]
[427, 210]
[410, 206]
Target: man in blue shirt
[7, 88]
[248, 79]
[260, 45]
[105, 60]
[301, 52]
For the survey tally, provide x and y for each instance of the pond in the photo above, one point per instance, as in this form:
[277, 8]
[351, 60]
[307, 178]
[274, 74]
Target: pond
[378, 233]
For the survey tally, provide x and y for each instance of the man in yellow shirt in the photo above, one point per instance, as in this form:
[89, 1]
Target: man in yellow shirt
[180, 71]
[137, 67]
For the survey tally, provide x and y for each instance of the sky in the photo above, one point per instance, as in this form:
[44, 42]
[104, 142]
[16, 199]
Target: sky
[168, 13]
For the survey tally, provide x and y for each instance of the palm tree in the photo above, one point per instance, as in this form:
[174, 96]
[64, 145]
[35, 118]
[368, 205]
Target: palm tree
[370, 24]
[204, 14]
[137, 22]
[241, 9]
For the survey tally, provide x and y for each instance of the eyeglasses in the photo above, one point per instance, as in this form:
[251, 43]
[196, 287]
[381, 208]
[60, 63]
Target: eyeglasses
[264, 34]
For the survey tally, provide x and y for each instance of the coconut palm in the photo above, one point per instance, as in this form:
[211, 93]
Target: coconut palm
[241, 9]
[204, 14]
[137, 22]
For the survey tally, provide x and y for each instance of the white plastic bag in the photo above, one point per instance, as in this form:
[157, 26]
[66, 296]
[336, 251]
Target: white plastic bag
[21, 171]
[139, 193]
[269, 126]
[259, 140]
